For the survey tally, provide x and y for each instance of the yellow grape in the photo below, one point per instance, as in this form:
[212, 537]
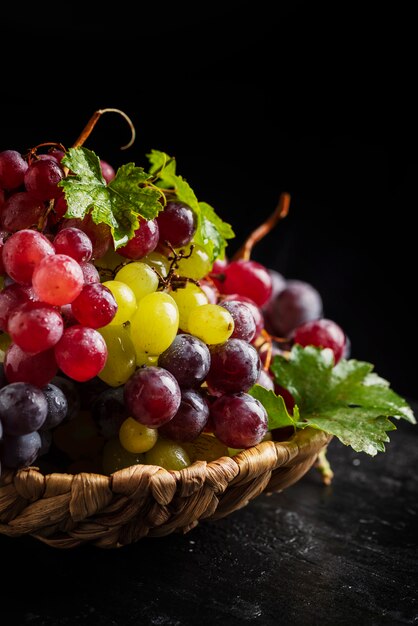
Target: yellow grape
[121, 358]
[211, 323]
[158, 261]
[115, 457]
[125, 299]
[197, 265]
[187, 298]
[167, 454]
[136, 437]
[155, 323]
[140, 277]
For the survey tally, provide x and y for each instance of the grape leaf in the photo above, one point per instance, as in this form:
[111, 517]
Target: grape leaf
[347, 400]
[275, 406]
[117, 204]
[212, 232]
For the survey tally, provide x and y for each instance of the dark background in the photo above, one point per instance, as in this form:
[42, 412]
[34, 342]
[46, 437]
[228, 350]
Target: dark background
[310, 99]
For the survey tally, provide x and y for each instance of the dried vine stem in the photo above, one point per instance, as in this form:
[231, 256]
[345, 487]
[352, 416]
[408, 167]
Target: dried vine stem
[279, 213]
[85, 133]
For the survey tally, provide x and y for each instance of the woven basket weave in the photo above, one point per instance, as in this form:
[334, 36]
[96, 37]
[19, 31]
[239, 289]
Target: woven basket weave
[65, 510]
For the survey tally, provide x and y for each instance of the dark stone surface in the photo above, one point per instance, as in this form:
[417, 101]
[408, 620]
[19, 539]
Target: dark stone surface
[333, 556]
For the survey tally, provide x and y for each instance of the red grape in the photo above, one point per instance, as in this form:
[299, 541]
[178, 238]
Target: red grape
[176, 224]
[37, 369]
[58, 279]
[143, 242]
[21, 210]
[323, 333]
[152, 396]
[247, 278]
[81, 352]
[73, 242]
[240, 420]
[42, 177]
[23, 251]
[95, 306]
[35, 326]
[12, 169]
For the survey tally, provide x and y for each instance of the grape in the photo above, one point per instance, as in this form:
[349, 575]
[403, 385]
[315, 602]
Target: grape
[99, 234]
[255, 310]
[244, 323]
[158, 262]
[187, 358]
[167, 454]
[205, 448]
[21, 450]
[210, 289]
[176, 223]
[187, 298]
[23, 408]
[95, 306]
[35, 326]
[37, 369]
[23, 251]
[265, 380]
[108, 171]
[21, 210]
[140, 277]
[143, 242]
[212, 323]
[10, 298]
[109, 411]
[2, 199]
[125, 300]
[278, 283]
[190, 419]
[297, 303]
[57, 406]
[235, 366]
[155, 323]
[248, 278]
[74, 243]
[3, 236]
[71, 393]
[323, 333]
[136, 437]
[58, 279]
[12, 169]
[81, 352]
[115, 457]
[59, 209]
[121, 359]
[152, 396]
[90, 273]
[195, 266]
[42, 177]
[240, 420]
[286, 395]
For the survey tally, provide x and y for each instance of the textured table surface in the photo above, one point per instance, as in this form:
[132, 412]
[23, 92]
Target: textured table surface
[337, 555]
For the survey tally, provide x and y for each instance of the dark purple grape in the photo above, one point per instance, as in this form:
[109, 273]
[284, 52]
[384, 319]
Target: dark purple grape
[143, 242]
[235, 366]
[20, 451]
[176, 223]
[152, 396]
[57, 406]
[109, 411]
[278, 283]
[240, 420]
[70, 390]
[23, 408]
[187, 358]
[297, 303]
[190, 419]
[244, 323]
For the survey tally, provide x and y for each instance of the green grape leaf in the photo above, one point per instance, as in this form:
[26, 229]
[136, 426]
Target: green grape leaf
[347, 400]
[212, 233]
[117, 204]
[278, 415]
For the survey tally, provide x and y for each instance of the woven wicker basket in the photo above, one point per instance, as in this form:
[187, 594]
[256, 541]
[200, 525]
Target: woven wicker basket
[65, 510]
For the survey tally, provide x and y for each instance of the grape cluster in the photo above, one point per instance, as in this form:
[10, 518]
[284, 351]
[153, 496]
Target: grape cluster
[165, 343]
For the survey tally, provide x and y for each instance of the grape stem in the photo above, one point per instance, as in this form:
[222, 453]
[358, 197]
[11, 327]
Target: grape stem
[86, 132]
[323, 466]
[279, 213]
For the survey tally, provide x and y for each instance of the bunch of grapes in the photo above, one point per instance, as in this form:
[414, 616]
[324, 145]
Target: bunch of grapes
[164, 344]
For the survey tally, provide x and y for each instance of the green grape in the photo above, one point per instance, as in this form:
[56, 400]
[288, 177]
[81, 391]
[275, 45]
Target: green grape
[158, 261]
[187, 298]
[140, 277]
[136, 437]
[121, 358]
[146, 359]
[115, 457]
[125, 299]
[5, 342]
[211, 323]
[168, 454]
[155, 323]
[205, 448]
[196, 266]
